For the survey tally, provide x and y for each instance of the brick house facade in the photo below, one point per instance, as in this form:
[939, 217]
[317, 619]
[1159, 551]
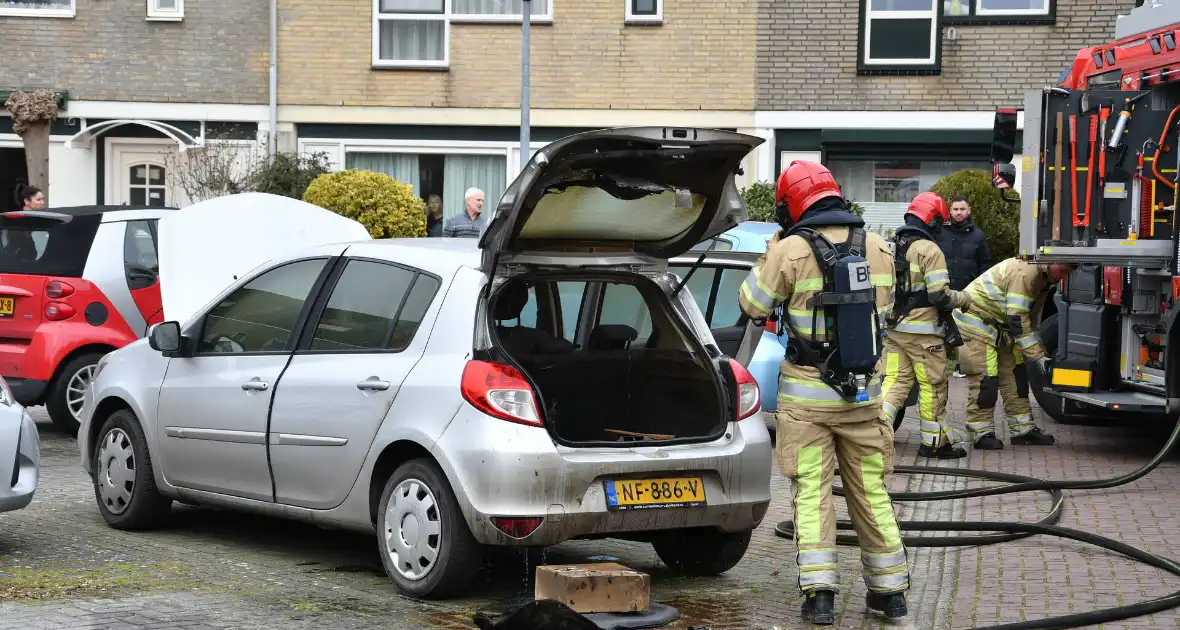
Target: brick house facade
[175, 68]
[906, 91]
[429, 91]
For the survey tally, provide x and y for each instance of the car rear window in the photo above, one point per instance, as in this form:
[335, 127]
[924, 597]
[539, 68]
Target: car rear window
[47, 250]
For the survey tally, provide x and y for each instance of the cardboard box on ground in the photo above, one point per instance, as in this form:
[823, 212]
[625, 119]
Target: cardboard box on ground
[593, 588]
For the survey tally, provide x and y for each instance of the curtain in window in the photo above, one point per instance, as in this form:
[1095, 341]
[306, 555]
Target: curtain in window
[412, 40]
[496, 7]
[485, 172]
[401, 166]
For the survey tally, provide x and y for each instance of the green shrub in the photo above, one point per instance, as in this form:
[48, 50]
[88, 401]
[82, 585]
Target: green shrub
[386, 207]
[290, 174]
[759, 198]
[999, 220]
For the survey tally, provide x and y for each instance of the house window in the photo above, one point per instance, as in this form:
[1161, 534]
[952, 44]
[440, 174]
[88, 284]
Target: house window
[165, 10]
[37, 8]
[892, 181]
[446, 175]
[644, 11]
[417, 33]
[900, 33]
[996, 8]
[146, 185]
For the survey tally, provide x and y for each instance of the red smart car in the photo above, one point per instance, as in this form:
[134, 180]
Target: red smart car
[75, 284]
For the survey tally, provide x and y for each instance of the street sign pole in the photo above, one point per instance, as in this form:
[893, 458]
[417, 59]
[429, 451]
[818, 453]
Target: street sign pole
[526, 7]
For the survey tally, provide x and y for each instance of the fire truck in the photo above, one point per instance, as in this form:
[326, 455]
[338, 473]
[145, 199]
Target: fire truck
[1098, 189]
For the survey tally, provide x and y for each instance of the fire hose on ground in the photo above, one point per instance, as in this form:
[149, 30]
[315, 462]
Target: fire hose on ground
[1016, 530]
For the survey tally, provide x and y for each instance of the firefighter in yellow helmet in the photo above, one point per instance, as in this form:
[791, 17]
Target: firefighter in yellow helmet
[834, 279]
[920, 329]
[999, 330]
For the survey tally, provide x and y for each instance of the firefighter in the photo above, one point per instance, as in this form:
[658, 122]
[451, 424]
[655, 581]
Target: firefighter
[824, 267]
[1000, 337]
[920, 329]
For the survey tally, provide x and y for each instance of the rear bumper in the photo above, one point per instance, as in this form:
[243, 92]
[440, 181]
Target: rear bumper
[499, 469]
[27, 391]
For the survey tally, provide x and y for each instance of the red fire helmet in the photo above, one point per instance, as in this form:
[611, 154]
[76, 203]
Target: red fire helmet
[930, 209]
[802, 184]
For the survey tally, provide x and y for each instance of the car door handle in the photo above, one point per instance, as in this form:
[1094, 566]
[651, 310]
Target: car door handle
[255, 385]
[373, 384]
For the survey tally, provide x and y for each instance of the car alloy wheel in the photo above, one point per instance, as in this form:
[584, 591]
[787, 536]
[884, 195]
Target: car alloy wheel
[116, 471]
[413, 529]
[76, 390]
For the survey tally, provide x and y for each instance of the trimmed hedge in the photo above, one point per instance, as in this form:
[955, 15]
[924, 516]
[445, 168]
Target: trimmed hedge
[386, 207]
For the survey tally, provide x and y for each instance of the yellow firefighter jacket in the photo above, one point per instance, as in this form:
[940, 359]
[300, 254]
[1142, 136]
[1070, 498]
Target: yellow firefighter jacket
[788, 272]
[1004, 304]
[928, 271]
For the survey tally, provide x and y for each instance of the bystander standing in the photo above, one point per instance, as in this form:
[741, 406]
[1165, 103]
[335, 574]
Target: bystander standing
[471, 223]
[965, 247]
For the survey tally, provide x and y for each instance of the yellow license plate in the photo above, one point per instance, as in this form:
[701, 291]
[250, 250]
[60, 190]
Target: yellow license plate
[639, 494]
[7, 306]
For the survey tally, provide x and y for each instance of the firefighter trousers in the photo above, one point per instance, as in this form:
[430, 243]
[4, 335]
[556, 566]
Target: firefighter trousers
[995, 369]
[910, 356]
[808, 451]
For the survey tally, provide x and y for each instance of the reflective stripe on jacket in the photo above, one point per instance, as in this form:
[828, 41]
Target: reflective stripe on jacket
[928, 271]
[787, 273]
[1013, 288]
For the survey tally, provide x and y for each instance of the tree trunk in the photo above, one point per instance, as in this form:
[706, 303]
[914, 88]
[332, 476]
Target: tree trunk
[36, 141]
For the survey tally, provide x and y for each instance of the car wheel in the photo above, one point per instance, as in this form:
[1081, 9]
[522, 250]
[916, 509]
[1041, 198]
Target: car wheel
[124, 482]
[425, 544]
[702, 552]
[64, 402]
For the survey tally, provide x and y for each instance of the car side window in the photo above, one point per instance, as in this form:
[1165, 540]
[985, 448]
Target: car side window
[140, 262]
[623, 304]
[373, 306]
[726, 310]
[261, 314]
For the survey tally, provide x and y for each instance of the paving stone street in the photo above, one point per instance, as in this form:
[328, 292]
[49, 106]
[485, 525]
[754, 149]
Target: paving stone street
[61, 566]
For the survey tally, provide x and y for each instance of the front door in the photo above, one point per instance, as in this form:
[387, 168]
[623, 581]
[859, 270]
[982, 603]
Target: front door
[140, 175]
[214, 405]
[343, 378]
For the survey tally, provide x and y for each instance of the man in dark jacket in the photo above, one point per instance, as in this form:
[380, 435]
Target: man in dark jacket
[964, 245]
[965, 248]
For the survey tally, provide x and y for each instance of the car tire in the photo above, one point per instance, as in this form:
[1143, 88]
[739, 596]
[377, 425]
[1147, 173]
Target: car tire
[702, 552]
[124, 479]
[425, 497]
[64, 388]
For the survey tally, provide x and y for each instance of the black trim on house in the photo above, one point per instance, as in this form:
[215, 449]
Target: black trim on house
[972, 145]
[972, 19]
[59, 127]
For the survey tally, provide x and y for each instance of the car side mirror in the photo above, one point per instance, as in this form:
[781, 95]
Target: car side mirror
[164, 337]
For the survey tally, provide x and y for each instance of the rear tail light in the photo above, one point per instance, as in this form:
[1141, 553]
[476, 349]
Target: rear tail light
[501, 391]
[57, 311]
[517, 527]
[749, 397]
[58, 289]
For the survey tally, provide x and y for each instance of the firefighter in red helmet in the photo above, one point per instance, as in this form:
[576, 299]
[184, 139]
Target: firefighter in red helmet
[921, 329]
[833, 279]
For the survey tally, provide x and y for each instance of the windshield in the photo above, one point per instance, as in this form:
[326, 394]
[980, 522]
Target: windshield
[60, 250]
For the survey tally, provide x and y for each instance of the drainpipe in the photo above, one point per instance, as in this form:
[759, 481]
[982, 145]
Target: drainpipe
[272, 136]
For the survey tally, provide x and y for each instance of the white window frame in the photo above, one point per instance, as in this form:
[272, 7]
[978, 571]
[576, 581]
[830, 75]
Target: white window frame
[156, 14]
[49, 13]
[632, 18]
[338, 150]
[982, 12]
[447, 17]
[870, 15]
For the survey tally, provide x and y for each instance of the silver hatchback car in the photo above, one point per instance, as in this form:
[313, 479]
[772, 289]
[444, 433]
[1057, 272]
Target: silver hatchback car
[548, 381]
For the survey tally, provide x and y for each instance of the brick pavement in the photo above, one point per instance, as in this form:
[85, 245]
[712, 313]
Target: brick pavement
[62, 567]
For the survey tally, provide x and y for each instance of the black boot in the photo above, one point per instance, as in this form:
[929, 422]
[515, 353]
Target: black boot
[1035, 437]
[819, 607]
[891, 604]
[989, 442]
[946, 451]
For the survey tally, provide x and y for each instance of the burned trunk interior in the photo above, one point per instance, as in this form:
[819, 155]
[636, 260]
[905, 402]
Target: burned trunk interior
[610, 363]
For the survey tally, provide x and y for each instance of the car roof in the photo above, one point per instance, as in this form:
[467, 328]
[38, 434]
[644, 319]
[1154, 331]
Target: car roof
[81, 211]
[441, 256]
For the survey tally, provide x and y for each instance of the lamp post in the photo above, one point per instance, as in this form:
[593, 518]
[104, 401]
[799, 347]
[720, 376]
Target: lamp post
[526, 8]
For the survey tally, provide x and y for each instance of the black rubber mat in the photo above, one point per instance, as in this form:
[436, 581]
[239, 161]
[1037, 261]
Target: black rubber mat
[656, 615]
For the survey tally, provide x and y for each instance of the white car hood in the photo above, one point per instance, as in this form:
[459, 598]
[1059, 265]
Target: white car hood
[207, 246]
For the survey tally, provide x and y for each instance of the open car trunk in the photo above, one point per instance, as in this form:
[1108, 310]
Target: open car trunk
[610, 361]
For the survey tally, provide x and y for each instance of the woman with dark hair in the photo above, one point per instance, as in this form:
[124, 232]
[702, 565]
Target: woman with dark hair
[29, 197]
[18, 245]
